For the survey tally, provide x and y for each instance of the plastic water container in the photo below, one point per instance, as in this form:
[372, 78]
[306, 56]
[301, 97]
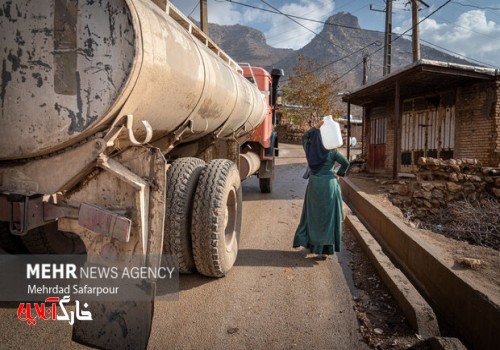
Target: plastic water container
[330, 133]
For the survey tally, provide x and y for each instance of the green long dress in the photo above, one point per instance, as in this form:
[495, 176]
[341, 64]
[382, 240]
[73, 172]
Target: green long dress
[320, 227]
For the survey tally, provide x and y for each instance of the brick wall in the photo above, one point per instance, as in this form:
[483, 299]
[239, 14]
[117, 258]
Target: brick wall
[476, 123]
[496, 116]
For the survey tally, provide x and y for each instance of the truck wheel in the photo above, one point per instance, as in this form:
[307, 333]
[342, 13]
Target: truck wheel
[48, 239]
[217, 218]
[182, 178]
[266, 185]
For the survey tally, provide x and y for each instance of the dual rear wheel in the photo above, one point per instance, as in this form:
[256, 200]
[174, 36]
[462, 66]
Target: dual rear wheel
[203, 215]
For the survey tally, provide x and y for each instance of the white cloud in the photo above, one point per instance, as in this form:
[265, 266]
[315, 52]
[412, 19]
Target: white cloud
[471, 35]
[221, 13]
[285, 33]
[279, 30]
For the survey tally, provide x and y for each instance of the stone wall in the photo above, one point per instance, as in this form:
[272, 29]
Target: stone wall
[438, 182]
[290, 133]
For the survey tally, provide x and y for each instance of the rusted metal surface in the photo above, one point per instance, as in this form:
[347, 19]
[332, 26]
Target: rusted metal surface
[25, 213]
[69, 68]
[64, 64]
[124, 325]
[53, 174]
[104, 222]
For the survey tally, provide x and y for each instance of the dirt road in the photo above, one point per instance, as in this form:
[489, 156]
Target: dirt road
[275, 297]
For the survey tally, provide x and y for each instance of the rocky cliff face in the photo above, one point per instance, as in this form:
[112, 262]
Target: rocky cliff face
[339, 47]
[245, 44]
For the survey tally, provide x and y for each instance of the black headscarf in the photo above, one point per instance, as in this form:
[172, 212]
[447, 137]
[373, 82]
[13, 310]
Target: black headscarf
[316, 153]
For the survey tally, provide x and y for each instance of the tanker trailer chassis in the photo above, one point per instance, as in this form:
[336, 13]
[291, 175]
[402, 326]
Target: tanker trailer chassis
[71, 162]
[116, 206]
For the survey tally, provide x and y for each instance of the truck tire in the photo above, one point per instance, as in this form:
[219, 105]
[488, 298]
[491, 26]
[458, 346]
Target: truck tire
[216, 223]
[266, 185]
[182, 178]
[48, 239]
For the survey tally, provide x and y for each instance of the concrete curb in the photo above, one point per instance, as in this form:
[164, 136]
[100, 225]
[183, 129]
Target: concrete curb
[471, 312]
[419, 314]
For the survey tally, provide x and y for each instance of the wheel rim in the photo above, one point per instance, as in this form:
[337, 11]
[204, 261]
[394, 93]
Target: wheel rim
[231, 211]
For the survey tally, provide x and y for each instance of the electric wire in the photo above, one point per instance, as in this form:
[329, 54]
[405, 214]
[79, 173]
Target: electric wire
[477, 7]
[303, 26]
[276, 11]
[194, 8]
[392, 40]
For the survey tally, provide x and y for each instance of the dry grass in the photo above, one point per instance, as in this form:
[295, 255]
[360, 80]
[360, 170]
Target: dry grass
[477, 222]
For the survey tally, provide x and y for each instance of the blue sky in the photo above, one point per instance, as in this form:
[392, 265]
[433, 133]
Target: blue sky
[466, 27]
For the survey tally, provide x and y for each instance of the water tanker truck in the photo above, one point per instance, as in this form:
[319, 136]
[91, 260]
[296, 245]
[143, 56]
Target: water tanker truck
[125, 130]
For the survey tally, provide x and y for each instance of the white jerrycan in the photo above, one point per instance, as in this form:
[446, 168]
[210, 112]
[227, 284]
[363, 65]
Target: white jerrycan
[330, 133]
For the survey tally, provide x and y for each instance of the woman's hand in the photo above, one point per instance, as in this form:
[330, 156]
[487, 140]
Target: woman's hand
[318, 124]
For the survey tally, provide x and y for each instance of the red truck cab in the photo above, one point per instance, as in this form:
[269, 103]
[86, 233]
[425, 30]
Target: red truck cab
[264, 140]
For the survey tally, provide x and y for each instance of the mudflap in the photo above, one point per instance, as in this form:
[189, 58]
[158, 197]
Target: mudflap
[117, 325]
[135, 180]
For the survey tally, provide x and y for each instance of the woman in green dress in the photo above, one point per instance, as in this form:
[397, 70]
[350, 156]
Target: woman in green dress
[320, 227]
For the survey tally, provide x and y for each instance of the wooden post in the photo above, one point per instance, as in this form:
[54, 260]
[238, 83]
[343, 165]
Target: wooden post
[388, 37]
[348, 129]
[415, 32]
[396, 131]
[204, 16]
[365, 70]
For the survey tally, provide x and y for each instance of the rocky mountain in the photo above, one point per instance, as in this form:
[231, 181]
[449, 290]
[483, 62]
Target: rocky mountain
[339, 47]
[246, 45]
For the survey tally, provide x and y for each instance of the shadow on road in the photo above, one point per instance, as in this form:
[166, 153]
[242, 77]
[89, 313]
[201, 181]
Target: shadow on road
[277, 258]
[194, 280]
[288, 184]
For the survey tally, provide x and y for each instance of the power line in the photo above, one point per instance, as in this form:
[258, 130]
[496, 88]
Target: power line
[457, 54]
[378, 43]
[423, 19]
[300, 24]
[276, 11]
[477, 7]
[194, 8]
[399, 36]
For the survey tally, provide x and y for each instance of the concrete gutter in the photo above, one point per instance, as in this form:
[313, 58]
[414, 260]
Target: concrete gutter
[419, 314]
[469, 311]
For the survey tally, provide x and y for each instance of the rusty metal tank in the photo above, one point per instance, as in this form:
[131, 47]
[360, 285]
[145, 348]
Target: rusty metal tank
[70, 68]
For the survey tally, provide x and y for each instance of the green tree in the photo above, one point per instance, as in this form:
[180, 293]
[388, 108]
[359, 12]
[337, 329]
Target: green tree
[316, 95]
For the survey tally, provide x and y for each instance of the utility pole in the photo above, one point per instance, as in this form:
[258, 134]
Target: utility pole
[415, 33]
[388, 37]
[365, 70]
[415, 36]
[204, 16]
